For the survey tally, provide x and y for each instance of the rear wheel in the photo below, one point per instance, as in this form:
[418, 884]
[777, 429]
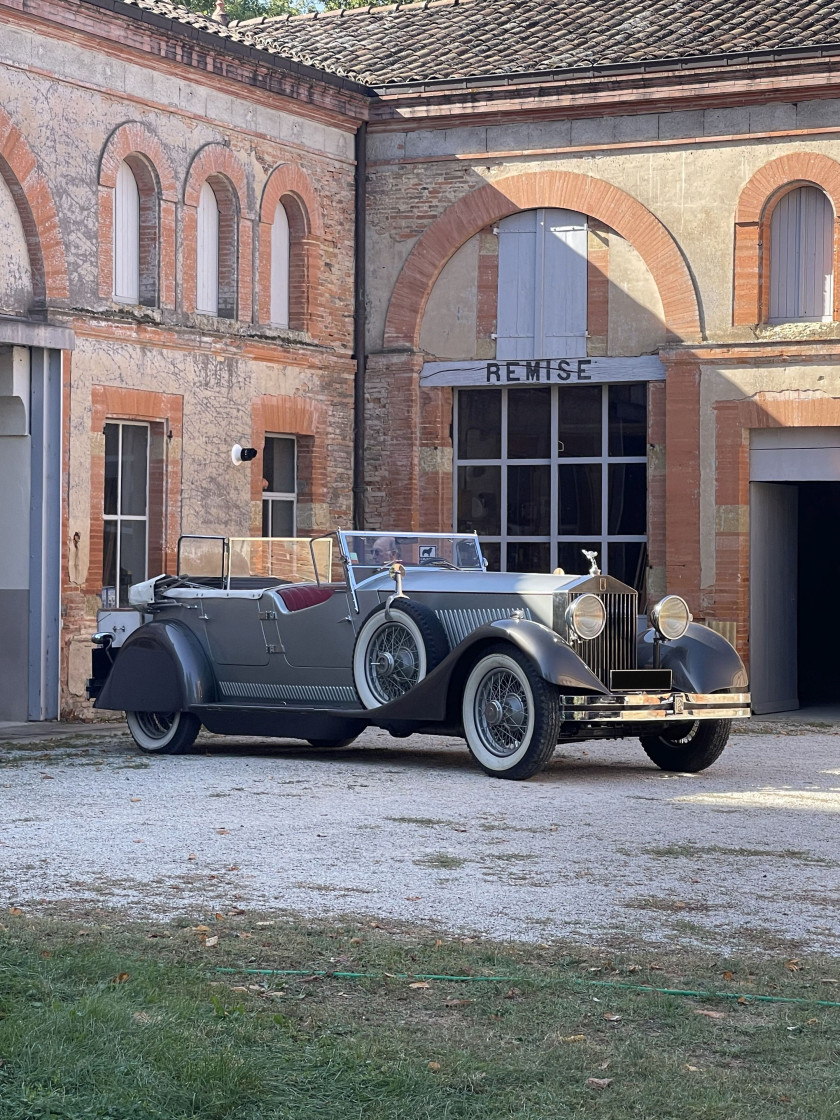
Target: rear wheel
[689, 747]
[163, 732]
[511, 715]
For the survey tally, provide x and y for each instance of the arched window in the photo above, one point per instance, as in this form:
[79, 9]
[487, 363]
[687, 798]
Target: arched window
[280, 267]
[126, 237]
[802, 256]
[207, 252]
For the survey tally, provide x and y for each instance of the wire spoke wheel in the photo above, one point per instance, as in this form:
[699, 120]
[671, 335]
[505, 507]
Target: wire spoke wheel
[396, 647]
[510, 713]
[688, 747]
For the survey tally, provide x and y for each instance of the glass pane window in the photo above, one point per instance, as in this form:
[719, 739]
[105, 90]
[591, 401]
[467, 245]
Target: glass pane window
[479, 500]
[480, 423]
[125, 510]
[567, 465]
[529, 424]
[279, 487]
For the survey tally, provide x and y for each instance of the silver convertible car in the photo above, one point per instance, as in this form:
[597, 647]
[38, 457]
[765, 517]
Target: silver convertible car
[319, 639]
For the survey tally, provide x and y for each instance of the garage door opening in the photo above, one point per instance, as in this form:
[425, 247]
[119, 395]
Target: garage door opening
[818, 593]
[794, 568]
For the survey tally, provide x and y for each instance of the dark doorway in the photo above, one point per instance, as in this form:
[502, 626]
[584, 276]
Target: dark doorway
[818, 593]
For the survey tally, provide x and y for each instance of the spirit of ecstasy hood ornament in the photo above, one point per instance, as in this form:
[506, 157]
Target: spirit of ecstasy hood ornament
[594, 570]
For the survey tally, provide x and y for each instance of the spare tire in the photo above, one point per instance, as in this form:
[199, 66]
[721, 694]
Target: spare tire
[396, 648]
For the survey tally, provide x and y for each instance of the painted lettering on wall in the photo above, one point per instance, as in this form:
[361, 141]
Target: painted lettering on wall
[546, 370]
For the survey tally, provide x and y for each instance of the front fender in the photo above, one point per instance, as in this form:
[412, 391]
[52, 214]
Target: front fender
[556, 661]
[701, 661]
[161, 667]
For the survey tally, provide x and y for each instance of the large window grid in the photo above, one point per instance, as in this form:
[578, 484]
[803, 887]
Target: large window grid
[583, 485]
[125, 510]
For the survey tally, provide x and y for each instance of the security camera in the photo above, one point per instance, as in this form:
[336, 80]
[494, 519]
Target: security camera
[241, 454]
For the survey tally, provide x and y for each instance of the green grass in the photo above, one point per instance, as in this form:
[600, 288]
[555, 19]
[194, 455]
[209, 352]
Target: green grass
[121, 1021]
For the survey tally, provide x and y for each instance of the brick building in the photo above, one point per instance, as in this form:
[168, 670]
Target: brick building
[597, 283]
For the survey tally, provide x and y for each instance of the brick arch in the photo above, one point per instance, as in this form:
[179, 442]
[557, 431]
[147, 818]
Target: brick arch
[289, 185]
[39, 217]
[138, 146]
[218, 165]
[751, 295]
[527, 191]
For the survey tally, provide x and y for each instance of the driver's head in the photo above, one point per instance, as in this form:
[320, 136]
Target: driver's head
[384, 550]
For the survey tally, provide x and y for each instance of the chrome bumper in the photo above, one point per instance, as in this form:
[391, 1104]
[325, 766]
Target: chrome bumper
[641, 707]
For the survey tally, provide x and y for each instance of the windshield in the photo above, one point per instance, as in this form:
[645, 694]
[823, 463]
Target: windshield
[367, 552]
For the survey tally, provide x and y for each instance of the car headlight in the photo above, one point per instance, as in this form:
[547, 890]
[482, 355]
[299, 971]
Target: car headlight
[670, 617]
[586, 616]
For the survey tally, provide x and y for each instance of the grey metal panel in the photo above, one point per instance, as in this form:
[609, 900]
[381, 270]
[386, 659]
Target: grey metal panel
[773, 575]
[45, 535]
[14, 649]
[461, 622]
[795, 455]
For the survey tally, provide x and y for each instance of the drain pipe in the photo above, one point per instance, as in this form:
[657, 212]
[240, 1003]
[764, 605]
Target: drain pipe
[360, 322]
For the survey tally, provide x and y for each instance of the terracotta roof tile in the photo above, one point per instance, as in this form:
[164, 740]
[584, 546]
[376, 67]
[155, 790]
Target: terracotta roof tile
[451, 39]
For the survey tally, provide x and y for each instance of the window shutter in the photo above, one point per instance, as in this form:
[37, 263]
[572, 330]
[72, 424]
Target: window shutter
[207, 252]
[280, 267]
[541, 310]
[564, 284]
[126, 237]
[517, 276]
[802, 256]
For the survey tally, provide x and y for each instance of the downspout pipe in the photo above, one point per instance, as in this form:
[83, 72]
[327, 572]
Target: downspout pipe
[360, 323]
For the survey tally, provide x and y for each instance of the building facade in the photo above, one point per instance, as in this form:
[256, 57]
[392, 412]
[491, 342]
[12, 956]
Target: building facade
[596, 306]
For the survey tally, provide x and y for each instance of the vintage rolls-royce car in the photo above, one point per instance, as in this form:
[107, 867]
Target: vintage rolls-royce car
[319, 639]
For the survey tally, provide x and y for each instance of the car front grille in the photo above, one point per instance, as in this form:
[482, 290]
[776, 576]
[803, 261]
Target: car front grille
[615, 647]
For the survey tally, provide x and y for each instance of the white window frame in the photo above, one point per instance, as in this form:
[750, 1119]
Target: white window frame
[600, 542]
[802, 257]
[207, 252]
[119, 517]
[280, 265]
[280, 495]
[126, 248]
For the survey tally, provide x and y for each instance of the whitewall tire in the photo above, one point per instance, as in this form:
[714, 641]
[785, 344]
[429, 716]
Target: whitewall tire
[163, 732]
[395, 649]
[510, 714]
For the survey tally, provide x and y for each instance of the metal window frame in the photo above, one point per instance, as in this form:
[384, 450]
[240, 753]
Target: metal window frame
[602, 540]
[119, 517]
[282, 495]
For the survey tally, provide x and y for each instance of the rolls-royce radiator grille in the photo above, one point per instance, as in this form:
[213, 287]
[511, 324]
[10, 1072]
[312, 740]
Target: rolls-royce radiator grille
[615, 648]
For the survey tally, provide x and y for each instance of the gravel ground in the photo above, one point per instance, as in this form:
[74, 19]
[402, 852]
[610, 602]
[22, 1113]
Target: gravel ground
[602, 848]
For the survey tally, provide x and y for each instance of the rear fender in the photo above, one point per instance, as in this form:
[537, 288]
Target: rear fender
[701, 661]
[161, 667]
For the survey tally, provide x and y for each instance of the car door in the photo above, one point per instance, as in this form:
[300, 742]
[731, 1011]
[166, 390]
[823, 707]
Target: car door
[317, 636]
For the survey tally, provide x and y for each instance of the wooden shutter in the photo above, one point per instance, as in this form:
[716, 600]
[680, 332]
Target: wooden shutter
[517, 277]
[207, 252]
[541, 310]
[802, 256]
[562, 332]
[280, 267]
[126, 237]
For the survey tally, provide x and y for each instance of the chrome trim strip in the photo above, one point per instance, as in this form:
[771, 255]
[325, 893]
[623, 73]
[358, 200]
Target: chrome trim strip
[325, 693]
[639, 707]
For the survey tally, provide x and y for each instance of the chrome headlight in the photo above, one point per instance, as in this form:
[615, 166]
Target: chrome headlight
[586, 616]
[670, 617]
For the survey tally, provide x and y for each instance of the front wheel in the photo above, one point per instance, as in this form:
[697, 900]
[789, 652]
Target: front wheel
[163, 732]
[511, 715]
[688, 747]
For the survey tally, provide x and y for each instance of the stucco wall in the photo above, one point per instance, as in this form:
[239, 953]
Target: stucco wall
[15, 273]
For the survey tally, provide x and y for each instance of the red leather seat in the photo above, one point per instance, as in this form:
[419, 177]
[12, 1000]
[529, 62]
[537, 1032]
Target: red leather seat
[299, 596]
